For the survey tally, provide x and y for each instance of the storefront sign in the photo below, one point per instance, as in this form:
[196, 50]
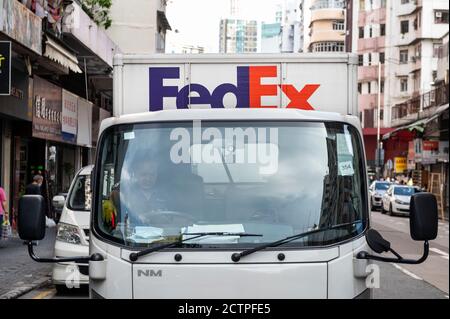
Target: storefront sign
[399, 164]
[411, 164]
[47, 111]
[443, 151]
[69, 121]
[5, 67]
[418, 150]
[430, 152]
[84, 136]
[21, 24]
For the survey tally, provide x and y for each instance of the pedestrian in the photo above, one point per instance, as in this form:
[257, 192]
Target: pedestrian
[35, 187]
[2, 208]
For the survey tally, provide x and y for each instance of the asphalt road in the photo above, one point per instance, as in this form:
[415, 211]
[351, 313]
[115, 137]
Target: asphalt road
[429, 280]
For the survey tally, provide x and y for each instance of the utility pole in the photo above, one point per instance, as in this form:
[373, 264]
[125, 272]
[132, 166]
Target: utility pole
[379, 145]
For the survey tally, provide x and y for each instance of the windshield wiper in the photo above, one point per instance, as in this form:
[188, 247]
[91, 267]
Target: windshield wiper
[135, 256]
[237, 256]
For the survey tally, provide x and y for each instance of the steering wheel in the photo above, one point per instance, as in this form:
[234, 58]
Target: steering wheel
[167, 217]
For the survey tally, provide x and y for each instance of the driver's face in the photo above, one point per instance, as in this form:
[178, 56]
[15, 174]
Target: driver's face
[146, 174]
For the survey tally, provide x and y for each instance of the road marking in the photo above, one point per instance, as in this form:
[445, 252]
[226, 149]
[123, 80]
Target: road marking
[406, 272]
[440, 252]
[44, 294]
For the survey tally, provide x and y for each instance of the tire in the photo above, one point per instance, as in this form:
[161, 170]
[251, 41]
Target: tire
[390, 213]
[61, 289]
[382, 209]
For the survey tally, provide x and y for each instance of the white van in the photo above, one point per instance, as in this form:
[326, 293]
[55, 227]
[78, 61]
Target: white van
[72, 236]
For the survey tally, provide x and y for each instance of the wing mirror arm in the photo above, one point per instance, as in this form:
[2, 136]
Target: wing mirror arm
[80, 259]
[399, 259]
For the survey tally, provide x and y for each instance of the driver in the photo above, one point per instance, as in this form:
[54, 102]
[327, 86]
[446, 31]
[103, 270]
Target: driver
[147, 195]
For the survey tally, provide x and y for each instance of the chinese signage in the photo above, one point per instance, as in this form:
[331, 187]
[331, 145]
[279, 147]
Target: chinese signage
[400, 164]
[47, 110]
[21, 24]
[411, 164]
[430, 152]
[5, 67]
[69, 120]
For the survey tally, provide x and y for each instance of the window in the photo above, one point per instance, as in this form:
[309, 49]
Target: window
[405, 1]
[440, 16]
[328, 47]
[370, 32]
[403, 56]
[436, 48]
[382, 57]
[80, 195]
[382, 86]
[415, 24]
[361, 32]
[382, 29]
[404, 26]
[369, 88]
[403, 85]
[362, 5]
[338, 25]
[359, 88]
[360, 60]
[370, 58]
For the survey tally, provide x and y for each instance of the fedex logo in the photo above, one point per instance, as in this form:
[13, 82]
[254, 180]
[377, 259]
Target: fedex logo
[248, 89]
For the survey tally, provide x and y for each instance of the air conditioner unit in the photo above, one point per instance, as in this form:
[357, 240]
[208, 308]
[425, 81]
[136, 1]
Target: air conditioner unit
[438, 14]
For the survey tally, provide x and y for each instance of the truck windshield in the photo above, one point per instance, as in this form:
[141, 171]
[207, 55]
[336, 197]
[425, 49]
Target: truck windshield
[158, 181]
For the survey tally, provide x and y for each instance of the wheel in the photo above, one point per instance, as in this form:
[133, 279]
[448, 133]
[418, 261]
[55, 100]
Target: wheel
[61, 289]
[390, 213]
[382, 209]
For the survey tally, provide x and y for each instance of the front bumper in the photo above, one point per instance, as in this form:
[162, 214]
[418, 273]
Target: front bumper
[70, 273]
[400, 209]
[376, 201]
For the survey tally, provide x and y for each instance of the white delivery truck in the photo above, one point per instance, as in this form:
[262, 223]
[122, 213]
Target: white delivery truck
[233, 176]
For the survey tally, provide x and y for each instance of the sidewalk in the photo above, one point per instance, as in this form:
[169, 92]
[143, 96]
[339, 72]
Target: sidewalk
[18, 272]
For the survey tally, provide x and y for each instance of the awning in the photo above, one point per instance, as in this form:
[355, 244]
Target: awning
[420, 124]
[163, 19]
[57, 53]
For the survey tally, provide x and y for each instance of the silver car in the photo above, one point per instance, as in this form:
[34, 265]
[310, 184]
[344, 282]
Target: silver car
[376, 191]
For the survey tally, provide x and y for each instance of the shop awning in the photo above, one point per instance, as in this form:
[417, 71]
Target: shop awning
[418, 125]
[57, 53]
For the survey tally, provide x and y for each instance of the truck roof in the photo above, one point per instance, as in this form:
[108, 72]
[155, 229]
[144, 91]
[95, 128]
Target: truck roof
[243, 114]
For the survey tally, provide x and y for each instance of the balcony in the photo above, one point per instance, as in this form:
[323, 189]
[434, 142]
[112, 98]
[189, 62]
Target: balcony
[369, 73]
[369, 101]
[420, 106]
[377, 16]
[371, 44]
[84, 35]
[21, 24]
[327, 14]
[327, 35]
[409, 8]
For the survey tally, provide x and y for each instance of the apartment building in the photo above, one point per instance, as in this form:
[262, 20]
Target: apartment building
[238, 36]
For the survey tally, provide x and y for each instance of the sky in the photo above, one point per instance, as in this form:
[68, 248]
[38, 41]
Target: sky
[198, 21]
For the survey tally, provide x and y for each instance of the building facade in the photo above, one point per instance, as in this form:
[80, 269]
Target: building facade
[238, 36]
[326, 26]
[143, 19]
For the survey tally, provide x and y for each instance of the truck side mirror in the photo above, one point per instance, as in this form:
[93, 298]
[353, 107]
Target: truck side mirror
[31, 219]
[58, 201]
[423, 219]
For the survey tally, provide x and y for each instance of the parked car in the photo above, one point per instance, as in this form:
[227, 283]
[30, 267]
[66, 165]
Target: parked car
[397, 198]
[376, 191]
[72, 238]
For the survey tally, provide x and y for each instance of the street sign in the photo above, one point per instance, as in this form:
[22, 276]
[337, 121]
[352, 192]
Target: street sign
[5, 67]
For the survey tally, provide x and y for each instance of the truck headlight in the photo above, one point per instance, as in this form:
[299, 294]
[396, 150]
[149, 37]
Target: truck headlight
[68, 233]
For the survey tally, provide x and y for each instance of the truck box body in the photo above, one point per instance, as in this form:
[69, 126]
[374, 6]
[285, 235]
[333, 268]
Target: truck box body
[322, 82]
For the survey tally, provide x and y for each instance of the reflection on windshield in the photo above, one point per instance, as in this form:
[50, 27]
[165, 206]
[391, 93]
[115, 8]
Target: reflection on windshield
[382, 186]
[405, 191]
[159, 181]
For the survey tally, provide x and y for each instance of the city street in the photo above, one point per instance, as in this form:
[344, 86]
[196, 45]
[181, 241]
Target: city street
[427, 280]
